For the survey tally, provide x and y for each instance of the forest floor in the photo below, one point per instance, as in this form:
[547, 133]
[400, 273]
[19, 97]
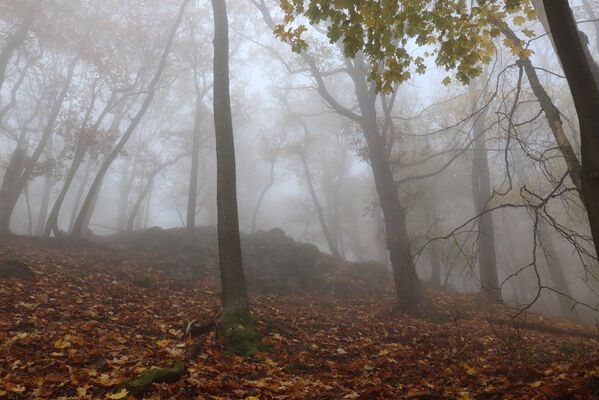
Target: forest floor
[94, 317]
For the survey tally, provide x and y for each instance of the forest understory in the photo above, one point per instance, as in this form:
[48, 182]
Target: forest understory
[95, 316]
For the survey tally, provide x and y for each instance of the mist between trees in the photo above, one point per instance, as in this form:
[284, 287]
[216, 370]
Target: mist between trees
[107, 125]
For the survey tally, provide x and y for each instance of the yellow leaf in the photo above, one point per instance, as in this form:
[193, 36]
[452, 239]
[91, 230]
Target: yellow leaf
[469, 370]
[118, 395]
[2, 393]
[519, 20]
[383, 352]
[163, 343]
[446, 81]
[62, 344]
[341, 351]
[536, 384]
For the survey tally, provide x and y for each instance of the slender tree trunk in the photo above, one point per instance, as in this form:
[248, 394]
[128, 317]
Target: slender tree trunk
[29, 213]
[270, 182]
[237, 322]
[15, 168]
[140, 199]
[195, 163]
[430, 216]
[481, 191]
[556, 270]
[86, 211]
[41, 219]
[124, 191]
[321, 218]
[146, 216]
[79, 195]
[580, 70]
[6, 212]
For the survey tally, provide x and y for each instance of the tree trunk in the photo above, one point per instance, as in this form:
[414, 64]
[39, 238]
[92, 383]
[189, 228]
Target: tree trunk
[579, 68]
[41, 219]
[411, 296]
[139, 201]
[481, 191]
[556, 271]
[430, 216]
[270, 182]
[84, 180]
[195, 163]
[237, 325]
[321, 218]
[29, 213]
[80, 228]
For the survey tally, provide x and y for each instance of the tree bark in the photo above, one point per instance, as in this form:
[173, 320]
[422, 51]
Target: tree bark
[580, 70]
[237, 325]
[481, 191]
[234, 292]
[80, 228]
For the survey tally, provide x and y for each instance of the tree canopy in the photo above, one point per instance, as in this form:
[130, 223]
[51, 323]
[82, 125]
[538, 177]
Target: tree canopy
[458, 36]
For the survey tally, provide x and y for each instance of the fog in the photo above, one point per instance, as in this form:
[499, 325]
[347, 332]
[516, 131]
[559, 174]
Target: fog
[77, 74]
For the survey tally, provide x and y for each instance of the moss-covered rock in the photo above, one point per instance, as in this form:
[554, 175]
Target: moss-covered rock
[15, 268]
[139, 385]
[275, 262]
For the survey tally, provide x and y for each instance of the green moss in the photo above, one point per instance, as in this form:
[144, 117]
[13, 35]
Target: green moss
[141, 384]
[241, 336]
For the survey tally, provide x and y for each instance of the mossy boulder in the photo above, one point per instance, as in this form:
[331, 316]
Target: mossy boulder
[15, 268]
[273, 262]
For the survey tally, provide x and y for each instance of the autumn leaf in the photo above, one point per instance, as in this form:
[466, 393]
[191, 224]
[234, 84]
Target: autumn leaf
[62, 344]
[118, 395]
[519, 20]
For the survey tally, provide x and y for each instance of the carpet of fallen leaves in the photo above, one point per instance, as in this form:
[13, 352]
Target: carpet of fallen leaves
[97, 316]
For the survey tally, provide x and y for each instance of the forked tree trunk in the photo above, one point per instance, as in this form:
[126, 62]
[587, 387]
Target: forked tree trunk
[580, 70]
[411, 296]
